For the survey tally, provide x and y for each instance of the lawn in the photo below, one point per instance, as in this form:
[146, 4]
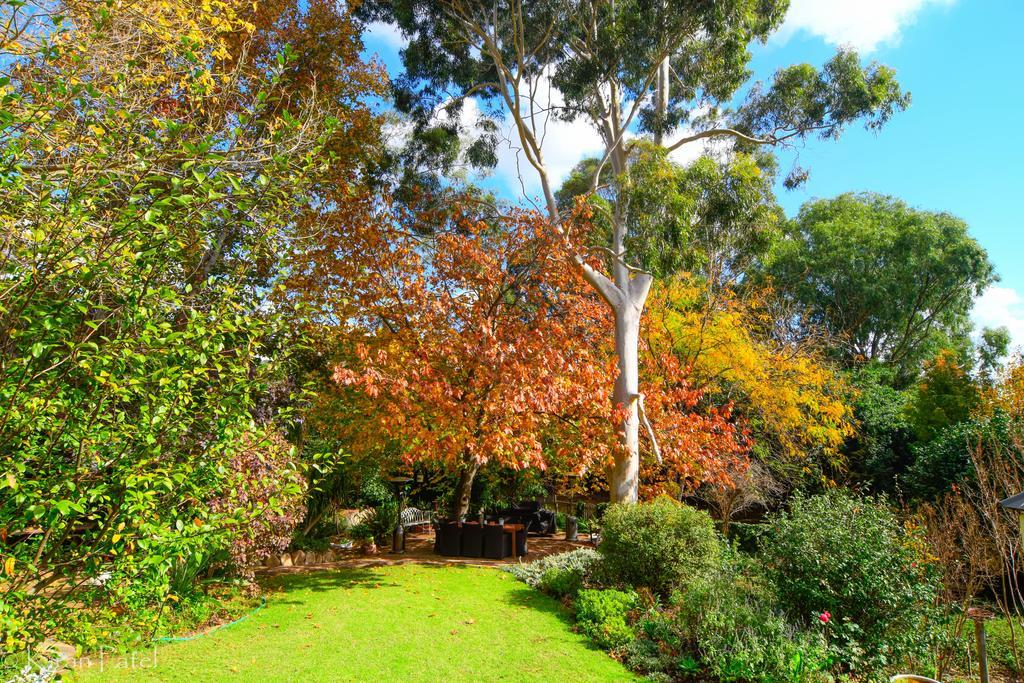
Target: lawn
[399, 623]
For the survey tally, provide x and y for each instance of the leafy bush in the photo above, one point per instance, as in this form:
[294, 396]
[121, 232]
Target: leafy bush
[561, 582]
[603, 616]
[731, 621]
[658, 647]
[660, 545]
[133, 335]
[581, 562]
[850, 557]
[265, 495]
[946, 460]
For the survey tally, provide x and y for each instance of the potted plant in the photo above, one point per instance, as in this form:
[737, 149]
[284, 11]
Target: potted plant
[362, 538]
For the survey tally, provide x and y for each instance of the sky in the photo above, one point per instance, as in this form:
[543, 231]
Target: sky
[956, 149]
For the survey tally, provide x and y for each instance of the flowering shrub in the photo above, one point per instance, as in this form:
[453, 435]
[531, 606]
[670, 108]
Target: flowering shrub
[847, 565]
[265, 495]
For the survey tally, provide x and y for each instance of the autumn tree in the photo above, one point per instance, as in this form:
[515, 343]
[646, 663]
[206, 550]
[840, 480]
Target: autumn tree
[625, 67]
[795, 405]
[472, 347]
[470, 343]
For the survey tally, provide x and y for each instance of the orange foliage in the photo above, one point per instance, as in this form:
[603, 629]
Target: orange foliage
[474, 341]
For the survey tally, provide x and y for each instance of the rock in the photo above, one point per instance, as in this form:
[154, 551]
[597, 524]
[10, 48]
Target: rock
[330, 556]
[299, 558]
[63, 652]
[286, 560]
[272, 561]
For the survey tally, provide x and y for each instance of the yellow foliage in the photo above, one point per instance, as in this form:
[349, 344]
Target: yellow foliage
[1008, 394]
[794, 402]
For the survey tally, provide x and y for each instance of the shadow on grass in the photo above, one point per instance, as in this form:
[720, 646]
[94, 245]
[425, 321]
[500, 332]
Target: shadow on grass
[524, 596]
[320, 581]
[329, 579]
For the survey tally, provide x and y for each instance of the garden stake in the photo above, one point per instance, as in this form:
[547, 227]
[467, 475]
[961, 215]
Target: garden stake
[980, 616]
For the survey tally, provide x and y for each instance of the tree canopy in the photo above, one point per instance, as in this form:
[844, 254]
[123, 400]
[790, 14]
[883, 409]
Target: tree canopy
[885, 281]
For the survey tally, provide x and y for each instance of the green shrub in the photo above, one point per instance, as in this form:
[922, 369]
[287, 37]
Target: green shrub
[850, 557]
[561, 582]
[730, 620]
[660, 545]
[603, 616]
[581, 562]
[657, 647]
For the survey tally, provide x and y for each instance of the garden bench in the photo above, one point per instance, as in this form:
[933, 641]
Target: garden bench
[415, 517]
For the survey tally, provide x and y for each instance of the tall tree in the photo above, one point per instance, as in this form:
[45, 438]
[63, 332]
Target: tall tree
[476, 345]
[472, 345]
[151, 169]
[888, 282]
[625, 67]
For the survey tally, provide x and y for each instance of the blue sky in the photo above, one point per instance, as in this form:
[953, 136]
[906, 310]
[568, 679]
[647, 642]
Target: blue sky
[956, 149]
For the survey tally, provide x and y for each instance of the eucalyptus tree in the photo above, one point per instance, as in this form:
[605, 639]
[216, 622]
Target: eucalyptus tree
[633, 69]
[885, 281]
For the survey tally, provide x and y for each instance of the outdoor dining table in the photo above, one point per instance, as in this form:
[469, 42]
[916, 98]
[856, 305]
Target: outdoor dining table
[512, 529]
[454, 539]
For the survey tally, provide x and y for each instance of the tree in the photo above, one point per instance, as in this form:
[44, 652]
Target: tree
[945, 396]
[474, 345]
[882, 447]
[992, 348]
[887, 282]
[622, 66]
[794, 404]
[151, 170]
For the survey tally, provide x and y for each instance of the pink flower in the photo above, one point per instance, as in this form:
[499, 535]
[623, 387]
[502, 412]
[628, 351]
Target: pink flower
[825, 617]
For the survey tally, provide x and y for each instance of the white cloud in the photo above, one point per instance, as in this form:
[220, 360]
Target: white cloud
[385, 35]
[563, 144]
[864, 24]
[1001, 307]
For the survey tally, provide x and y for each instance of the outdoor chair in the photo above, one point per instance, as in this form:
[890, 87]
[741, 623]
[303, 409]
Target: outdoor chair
[521, 543]
[497, 543]
[449, 539]
[532, 516]
[472, 540]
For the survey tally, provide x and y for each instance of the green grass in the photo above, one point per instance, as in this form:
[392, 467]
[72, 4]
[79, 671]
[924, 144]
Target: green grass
[400, 623]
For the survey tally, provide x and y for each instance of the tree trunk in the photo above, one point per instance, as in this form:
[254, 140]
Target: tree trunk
[624, 476]
[661, 97]
[460, 504]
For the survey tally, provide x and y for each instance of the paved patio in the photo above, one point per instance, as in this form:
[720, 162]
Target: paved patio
[419, 549]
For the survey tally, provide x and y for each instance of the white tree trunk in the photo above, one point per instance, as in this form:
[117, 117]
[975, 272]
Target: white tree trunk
[624, 475]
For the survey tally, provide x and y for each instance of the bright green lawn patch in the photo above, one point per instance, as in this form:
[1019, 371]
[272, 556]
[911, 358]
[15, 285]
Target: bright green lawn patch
[402, 623]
